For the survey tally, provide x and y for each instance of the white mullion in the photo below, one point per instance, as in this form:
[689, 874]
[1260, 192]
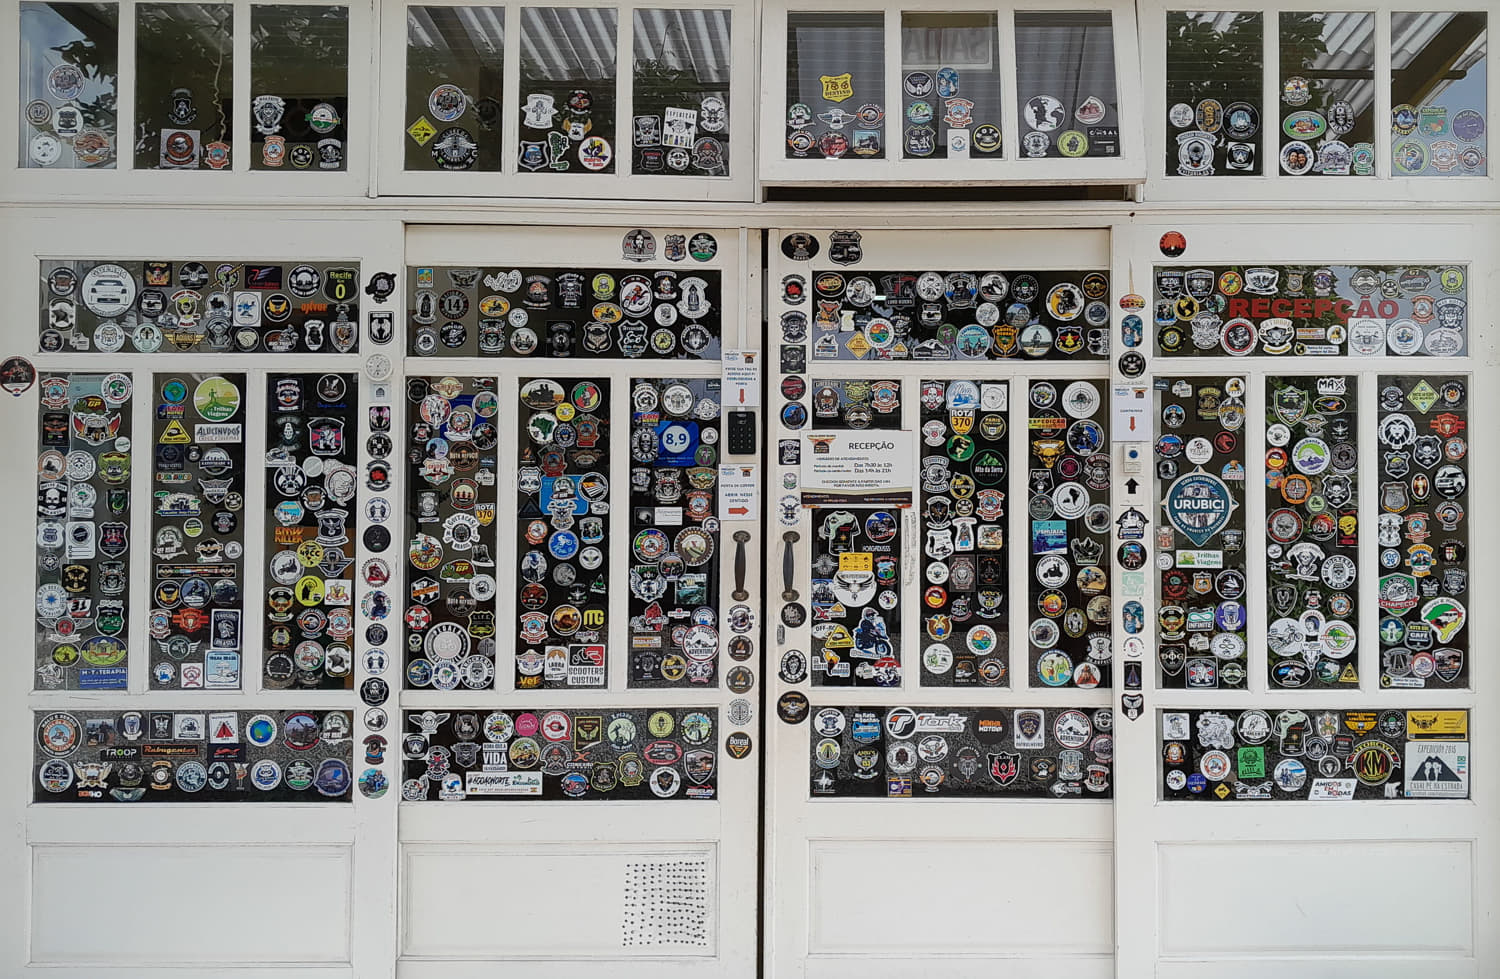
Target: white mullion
[1018, 527]
[1367, 564]
[126, 83]
[239, 126]
[253, 525]
[625, 93]
[141, 583]
[510, 91]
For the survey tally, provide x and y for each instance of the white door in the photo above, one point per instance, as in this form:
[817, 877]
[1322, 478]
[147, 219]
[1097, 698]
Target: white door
[189, 761]
[938, 796]
[580, 602]
[1309, 537]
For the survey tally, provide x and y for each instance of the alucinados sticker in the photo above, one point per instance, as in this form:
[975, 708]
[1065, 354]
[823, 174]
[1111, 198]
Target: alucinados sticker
[1198, 505]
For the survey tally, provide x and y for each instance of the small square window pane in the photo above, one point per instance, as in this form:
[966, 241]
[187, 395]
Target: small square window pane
[835, 86]
[69, 63]
[568, 89]
[681, 92]
[453, 75]
[950, 86]
[184, 85]
[1214, 78]
[1327, 93]
[1066, 88]
[1439, 112]
[299, 87]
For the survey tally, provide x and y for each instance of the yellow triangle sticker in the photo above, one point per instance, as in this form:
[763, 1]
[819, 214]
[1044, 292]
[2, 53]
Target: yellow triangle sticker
[421, 131]
[175, 434]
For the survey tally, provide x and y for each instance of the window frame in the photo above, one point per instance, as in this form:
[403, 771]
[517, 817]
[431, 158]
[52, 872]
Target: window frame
[775, 169]
[237, 183]
[1272, 184]
[510, 180]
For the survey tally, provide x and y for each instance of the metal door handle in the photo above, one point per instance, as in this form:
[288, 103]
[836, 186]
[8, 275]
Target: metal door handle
[741, 538]
[789, 566]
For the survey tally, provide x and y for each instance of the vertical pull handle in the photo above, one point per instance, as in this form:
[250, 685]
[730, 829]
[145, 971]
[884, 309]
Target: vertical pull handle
[789, 565]
[741, 538]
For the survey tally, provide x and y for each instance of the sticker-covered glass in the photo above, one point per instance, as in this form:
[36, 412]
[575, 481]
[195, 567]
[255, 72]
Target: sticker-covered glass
[562, 551]
[83, 531]
[835, 86]
[971, 315]
[674, 532]
[567, 97]
[1327, 94]
[856, 582]
[198, 306]
[583, 311]
[1312, 310]
[312, 432]
[950, 86]
[1439, 94]
[964, 752]
[964, 469]
[1066, 91]
[1312, 531]
[1214, 64]
[69, 61]
[299, 87]
[197, 531]
[454, 69]
[1423, 531]
[680, 85]
[1313, 754]
[1200, 533]
[1068, 509]
[448, 609]
[588, 754]
[203, 755]
[184, 85]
